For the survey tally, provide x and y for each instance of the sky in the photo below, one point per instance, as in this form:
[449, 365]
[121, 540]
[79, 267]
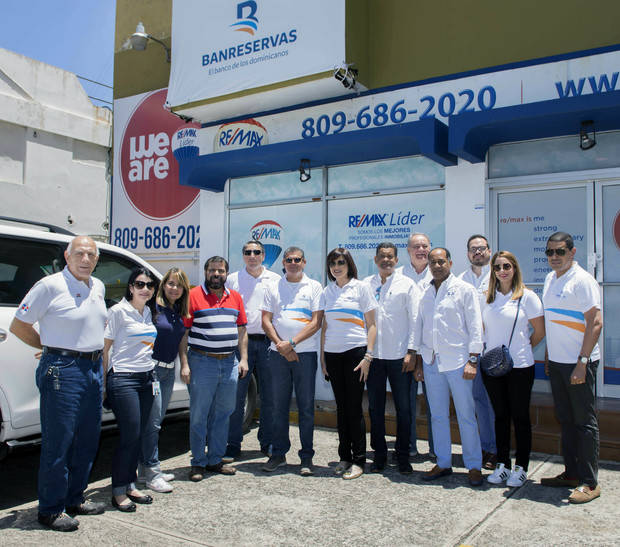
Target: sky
[75, 35]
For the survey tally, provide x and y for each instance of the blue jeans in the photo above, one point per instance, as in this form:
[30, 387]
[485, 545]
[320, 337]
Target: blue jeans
[414, 411]
[485, 415]
[212, 390]
[130, 395]
[70, 411]
[382, 370]
[257, 359]
[149, 456]
[302, 375]
[439, 386]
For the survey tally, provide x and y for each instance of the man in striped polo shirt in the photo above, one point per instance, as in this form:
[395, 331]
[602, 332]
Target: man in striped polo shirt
[216, 327]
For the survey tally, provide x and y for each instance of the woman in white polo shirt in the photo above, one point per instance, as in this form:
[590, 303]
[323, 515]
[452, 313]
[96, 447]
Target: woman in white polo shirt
[347, 343]
[510, 394]
[130, 388]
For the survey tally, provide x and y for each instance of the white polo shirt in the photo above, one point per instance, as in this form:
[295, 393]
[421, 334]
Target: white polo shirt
[398, 303]
[344, 315]
[498, 318]
[292, 306]
[252, 290]
[71, 314]
[566, 299]
[449, 325]
[134, 335]
[479, 282]
[422, 279]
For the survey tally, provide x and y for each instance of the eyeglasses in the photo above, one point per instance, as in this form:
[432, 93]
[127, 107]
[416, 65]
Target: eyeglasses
[505, 266]
[474, 250]
[296, 260]
[559, 252]
[340, 262]
[142, 284]
[378, 293]
[250, 252]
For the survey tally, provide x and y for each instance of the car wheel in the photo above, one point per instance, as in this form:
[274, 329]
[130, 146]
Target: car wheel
[250, 404]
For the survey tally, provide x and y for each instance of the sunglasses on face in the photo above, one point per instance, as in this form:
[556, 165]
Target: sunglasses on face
[249, 252]
[340, 262]
[559, 252]
[296, 260]
[505, 266]
[142, 284]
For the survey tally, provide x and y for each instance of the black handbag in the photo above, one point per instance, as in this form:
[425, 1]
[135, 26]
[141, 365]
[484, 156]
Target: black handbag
[497, 361]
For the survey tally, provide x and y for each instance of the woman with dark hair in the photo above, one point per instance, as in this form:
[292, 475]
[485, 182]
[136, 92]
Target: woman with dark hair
[347, 343]
[510, 303]
[130, 387]
[171, 306]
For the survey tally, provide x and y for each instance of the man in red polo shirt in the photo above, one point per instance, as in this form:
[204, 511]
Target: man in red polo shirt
[216, 328]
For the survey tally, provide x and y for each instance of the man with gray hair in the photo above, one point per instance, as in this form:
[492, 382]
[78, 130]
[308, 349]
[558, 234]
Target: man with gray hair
[70, 309]
[291, 319]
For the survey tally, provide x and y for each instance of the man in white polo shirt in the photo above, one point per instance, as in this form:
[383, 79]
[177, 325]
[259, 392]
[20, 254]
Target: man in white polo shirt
[394, 357]
[448, 335]
[291, 319]
[70, 309]
[250, 283]
[573, 324]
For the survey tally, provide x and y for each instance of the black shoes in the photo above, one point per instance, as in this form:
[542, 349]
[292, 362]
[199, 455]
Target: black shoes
[61, 522]
[145, 500]
[86, 508]
[126, 508]
[196, 473]
[377, 467]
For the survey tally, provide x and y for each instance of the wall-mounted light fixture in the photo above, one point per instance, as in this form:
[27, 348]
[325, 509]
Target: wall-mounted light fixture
[347, 75]
[140, 38]
[587, 141]
[304, 170]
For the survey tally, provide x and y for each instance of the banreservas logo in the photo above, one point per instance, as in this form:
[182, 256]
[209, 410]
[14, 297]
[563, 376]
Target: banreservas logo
[247, 23]
[242, 134]
[269, 233]
[149, 173]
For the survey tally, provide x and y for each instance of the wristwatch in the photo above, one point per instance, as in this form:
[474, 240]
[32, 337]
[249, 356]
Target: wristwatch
[583, 359]
[293, 344]
[473, 360]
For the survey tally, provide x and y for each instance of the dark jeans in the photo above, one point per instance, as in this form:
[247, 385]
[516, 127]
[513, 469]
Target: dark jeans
[510, 396]
[348, 391]
[575, 409]
[70, 411]
[257, 359]
[285, 374]
[400, 383]
[130, 395]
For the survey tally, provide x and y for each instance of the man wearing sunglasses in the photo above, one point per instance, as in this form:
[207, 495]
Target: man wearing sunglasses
[477, 275]
[573, 323]
[70, 309]
[250, 283]
[291, 319]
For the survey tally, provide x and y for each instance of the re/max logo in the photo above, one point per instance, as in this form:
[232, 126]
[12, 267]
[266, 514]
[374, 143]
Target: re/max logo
[360, 221]
[238, 136]
[266, 233]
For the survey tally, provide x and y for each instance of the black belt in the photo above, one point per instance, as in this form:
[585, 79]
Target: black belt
[257, 336]
[90, 355]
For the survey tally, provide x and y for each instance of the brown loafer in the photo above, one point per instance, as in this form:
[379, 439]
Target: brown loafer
[221, 469]
[584, 494]
[196, 473]
[561, 481]
[436, 472]
[475, 477]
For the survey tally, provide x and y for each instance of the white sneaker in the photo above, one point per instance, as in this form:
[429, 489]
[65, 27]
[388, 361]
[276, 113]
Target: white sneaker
[517, 477]
[167, 476]
[499, 475]
[159, 485]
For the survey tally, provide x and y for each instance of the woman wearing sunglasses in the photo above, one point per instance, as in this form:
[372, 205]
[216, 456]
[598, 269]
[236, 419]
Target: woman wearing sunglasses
[130, 388]
[171, 306]
[347, 343]
[507, 296]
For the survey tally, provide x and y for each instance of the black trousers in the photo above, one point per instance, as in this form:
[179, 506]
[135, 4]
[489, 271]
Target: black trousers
[510, 396]
[575, 409]
[348, 391]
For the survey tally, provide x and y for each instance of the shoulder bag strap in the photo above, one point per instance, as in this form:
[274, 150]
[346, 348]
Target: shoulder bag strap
[515, 323]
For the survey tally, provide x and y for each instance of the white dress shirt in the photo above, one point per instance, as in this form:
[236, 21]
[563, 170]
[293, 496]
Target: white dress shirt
[448, 326]
[398, 301]
[479, 282]
[421, 279]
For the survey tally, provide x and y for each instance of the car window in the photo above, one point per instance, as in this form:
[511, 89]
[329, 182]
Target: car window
[114, 271]
[23, 263]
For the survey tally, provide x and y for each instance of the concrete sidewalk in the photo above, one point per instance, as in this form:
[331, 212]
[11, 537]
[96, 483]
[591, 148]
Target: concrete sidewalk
[255, 508]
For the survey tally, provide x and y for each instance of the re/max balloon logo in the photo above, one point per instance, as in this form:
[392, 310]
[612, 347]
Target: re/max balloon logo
[269, 233]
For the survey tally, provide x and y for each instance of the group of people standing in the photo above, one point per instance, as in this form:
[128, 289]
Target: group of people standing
[415, 324]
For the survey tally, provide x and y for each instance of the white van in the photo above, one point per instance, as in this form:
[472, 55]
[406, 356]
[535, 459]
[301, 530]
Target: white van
[27, 255]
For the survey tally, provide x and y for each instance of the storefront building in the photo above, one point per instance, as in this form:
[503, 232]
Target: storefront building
[503, 148]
